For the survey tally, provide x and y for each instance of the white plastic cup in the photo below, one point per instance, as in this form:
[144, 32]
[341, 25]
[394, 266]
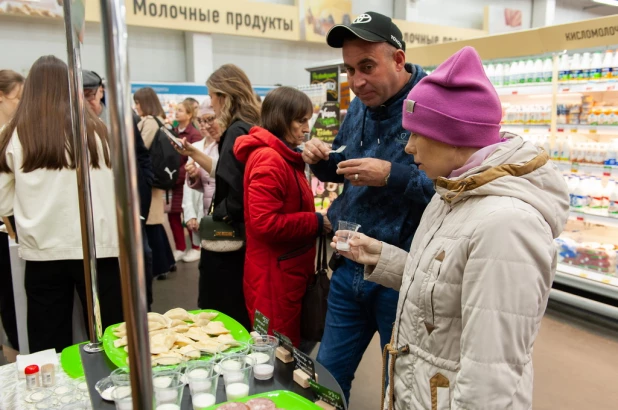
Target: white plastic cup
[170, 395]
[346, 231]
[123, 398]
[263, 352]
[237, 372]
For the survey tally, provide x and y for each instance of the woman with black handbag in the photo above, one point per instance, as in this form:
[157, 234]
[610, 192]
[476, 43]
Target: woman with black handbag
[282, 225]
[149, 108]
[223, 257]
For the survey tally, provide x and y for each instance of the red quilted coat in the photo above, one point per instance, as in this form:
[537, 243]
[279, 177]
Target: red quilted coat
[281, 226]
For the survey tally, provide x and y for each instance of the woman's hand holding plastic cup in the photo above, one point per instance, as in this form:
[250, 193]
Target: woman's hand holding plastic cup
[362, 249]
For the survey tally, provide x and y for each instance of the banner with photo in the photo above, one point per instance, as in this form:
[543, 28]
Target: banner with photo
[317, 17]
[326, 128]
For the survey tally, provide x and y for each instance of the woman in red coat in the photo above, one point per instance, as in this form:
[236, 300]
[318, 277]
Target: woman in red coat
[280, 218]
[185, 114]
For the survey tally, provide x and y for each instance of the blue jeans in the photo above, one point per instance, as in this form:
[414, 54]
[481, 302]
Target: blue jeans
[356, 310]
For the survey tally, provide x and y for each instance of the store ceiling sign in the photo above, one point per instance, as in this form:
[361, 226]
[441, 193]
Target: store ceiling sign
[584, 34]
[317, 17]
[241, 18]
[420, 34]
[598, 32]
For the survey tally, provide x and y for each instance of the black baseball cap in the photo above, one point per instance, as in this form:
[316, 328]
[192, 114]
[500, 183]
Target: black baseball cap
[370, 26]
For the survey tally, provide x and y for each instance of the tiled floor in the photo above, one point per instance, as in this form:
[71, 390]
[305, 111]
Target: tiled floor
[576, 361]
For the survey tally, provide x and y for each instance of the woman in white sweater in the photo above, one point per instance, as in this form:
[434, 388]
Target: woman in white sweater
[38, 184]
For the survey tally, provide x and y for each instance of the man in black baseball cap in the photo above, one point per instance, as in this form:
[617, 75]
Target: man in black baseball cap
[384, 190]
[371, 27]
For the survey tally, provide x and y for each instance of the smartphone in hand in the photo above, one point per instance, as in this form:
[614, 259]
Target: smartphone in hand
[172, 138]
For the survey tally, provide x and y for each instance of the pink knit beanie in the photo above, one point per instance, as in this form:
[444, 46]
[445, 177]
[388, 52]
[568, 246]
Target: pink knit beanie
[456, 104]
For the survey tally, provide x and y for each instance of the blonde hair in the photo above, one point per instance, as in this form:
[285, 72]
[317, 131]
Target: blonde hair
[240, 101]
[190, 109]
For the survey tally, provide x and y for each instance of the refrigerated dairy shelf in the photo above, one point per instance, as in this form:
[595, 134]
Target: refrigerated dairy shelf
[594, 218]
[587, 280]
[587, 86]
[595, 283]
[568, 87]
[568, 166]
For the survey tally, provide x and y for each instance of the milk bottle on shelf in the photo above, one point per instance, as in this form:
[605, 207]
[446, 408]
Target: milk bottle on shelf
[514, 73]
[611, 154]
[586, 62]
[607, 193]
[556, 150]
[606, 69]
[499, 75]
[575, 67]
[563, 68]
[506, 74]
[565, 155]
[613, 202]
[529, 70]
[580, 194]
[491, 73]
[572, 186]
[538, 70]
[595, 195]
[548, 68]
[596, 66]
[521, 72]
[615, 65]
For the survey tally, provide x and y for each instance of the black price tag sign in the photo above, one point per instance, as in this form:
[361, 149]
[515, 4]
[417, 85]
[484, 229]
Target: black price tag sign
[326, 395]
[284, 341]
[260, 323]
[304, 363]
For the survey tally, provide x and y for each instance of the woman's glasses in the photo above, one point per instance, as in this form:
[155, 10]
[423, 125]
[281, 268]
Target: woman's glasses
[206, 121]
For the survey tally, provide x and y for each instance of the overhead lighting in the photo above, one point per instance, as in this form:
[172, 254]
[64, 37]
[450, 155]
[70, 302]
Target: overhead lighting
[607, 2]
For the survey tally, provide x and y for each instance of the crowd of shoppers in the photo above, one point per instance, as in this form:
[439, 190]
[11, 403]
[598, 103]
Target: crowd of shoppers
[444, 199]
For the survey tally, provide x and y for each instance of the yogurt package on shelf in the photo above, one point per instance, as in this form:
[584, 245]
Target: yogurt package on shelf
[592, 256]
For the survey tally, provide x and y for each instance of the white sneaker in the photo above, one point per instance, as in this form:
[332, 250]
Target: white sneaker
[178, 255]
[192, 255]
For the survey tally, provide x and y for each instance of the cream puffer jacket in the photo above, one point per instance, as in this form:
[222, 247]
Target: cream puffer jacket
[474, 287]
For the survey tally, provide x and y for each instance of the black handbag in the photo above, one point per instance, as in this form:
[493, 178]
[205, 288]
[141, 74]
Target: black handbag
[219, 236]
[315, 301]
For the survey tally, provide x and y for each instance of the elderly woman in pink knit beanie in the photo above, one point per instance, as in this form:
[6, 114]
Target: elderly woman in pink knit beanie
[475, 284]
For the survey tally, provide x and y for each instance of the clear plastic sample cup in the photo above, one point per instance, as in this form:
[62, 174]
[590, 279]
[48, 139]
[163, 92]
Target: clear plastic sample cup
[123, 398]
[241, 348]
[263, 352]
[170, 397]
[203, 386]
[121, 377]
[164, 377]
[196, 374]
[237, 372]
[346, 231]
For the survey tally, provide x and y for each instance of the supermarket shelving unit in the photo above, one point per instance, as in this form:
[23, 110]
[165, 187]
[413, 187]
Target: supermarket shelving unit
[576, 286]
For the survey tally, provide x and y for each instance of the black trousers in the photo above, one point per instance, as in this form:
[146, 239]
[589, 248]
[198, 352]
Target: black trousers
[162, 256]
[7, 299]
[221, 284]
[50, 288]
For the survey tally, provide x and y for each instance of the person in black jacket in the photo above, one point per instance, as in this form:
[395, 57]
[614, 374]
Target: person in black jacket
[145, 177]
[237, 109]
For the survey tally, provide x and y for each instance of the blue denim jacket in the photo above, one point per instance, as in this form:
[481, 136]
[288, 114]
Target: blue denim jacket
[392, 213]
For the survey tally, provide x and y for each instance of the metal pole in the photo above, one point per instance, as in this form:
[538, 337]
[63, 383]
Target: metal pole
[127, 201]
[82, 166]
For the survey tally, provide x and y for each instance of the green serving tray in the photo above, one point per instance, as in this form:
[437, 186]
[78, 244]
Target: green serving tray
[284, 399]
[71, 361]
[118, 356]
